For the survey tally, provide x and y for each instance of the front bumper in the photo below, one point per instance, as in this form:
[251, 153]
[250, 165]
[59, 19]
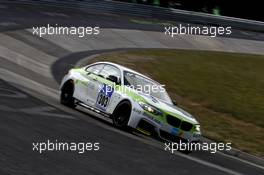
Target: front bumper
[149, 125]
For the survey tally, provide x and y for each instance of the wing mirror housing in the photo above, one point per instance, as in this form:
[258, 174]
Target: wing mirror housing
[174, 102]
[114, 79]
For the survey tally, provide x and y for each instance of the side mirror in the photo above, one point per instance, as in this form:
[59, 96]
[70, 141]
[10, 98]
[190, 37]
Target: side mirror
[174, 102]
[113, 79]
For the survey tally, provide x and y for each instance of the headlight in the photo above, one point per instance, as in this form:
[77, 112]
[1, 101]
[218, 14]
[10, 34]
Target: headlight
[150, 109]
[197, 128]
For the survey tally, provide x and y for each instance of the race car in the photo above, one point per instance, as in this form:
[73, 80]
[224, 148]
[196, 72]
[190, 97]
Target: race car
[130, 99]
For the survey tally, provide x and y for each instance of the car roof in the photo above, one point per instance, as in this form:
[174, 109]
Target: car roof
[123, 68]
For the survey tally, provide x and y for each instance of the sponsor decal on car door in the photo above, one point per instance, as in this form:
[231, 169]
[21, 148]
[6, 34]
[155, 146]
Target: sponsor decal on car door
[104, 96]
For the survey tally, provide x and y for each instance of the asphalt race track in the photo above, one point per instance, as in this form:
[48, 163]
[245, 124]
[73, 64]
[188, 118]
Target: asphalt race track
[30, 73]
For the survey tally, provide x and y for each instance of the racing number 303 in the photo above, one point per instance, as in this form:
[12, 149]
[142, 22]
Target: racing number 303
[104, 96]
[103, 100]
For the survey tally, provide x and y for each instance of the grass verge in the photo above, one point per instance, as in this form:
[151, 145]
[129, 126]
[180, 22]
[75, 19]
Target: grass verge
[224, 91]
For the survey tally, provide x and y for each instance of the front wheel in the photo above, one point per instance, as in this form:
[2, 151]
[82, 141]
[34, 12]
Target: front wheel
[121, 115]
[66, 97]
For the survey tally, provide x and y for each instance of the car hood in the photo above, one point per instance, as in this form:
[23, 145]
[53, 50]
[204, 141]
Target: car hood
[169, 108]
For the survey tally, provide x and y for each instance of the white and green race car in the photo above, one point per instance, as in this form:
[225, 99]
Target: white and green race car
[130, 99]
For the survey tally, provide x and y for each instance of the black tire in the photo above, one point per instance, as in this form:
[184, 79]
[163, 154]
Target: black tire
[121, 115]
[66, 97]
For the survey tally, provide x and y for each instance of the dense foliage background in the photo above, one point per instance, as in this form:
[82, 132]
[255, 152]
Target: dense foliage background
[241, 9]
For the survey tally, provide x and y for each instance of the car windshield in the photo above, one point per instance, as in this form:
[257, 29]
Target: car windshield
[146, 86]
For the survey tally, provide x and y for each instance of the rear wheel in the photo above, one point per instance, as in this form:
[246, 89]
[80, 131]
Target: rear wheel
[66, 97]
[121, 115]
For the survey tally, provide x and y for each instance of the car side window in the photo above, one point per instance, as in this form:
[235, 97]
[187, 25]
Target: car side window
[95, 69]
[110, 70]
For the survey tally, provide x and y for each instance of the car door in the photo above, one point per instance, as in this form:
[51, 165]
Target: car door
[88, 88]
[106, 86]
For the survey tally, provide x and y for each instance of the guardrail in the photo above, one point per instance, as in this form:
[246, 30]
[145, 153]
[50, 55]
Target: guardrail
[146, 11]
